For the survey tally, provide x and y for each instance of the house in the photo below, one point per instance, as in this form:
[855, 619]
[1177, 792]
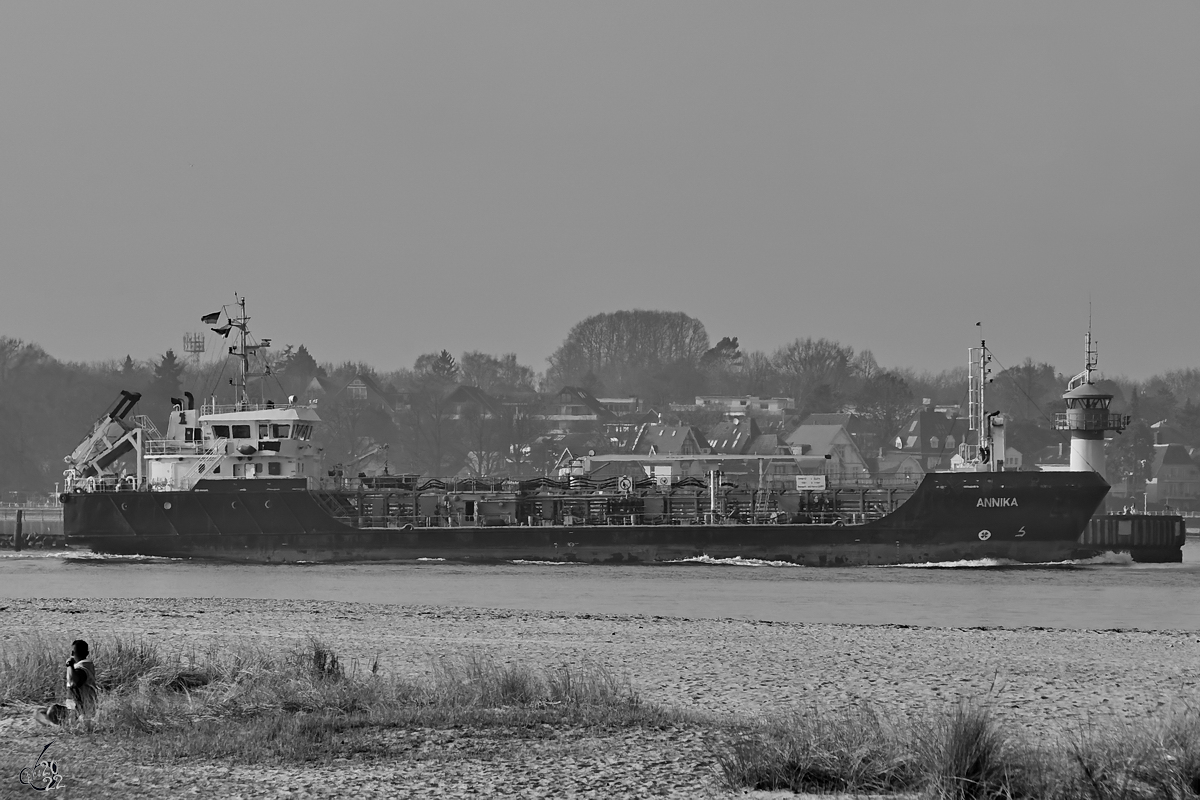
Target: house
[1165, 433]
[733, 436]
[831, 442]
[362, 388]
[574, 408]
[747, 405]
[1174, 478]
[854, 424]
[621, 406]
[933, 437]
[668, 440]
[467, 401]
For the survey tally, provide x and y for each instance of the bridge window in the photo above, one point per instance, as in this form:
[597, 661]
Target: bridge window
[241, 431]
[220, 431]
[263, 431]
[274, 468]
[280, 431]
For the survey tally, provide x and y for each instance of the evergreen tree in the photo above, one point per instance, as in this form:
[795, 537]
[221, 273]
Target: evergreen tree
[165, 384]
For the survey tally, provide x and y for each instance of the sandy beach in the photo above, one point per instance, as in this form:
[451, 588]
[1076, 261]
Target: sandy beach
[1039, 679]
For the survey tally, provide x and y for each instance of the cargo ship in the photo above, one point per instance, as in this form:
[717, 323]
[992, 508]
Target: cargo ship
[243, 482]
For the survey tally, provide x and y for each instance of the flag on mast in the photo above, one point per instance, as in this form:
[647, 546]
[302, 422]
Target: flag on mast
[211, 319]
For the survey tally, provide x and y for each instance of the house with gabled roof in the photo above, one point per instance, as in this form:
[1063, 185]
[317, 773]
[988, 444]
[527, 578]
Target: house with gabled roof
[668, 440]
[574, 408]
[1174, 478]
[733, 436]
[846, 463]
[932, 437]
[361, 388]
[465, 399]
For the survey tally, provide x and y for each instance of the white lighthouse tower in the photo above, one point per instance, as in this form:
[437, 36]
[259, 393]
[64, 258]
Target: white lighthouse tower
[1087, 416]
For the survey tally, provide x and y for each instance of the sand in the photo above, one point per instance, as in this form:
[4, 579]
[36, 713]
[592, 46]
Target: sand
[1039, 679]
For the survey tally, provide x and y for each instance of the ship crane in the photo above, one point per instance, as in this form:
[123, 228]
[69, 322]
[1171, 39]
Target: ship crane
[110, 438]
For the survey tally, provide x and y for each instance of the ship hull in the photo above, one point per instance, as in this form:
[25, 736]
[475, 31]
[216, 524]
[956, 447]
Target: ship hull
[1022, 516]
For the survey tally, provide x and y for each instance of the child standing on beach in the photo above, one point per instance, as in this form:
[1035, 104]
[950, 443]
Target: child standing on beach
[81, 688]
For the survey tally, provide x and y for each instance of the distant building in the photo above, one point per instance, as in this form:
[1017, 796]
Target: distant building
[747, 405]
[734, 436]
[466, 401]
[668, 440]
[621, 406]
[574, 408]
[1174, 478]
[932, 437]
[833, 443]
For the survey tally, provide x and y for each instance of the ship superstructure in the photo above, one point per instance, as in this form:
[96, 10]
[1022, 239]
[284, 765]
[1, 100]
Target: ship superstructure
[216, 442]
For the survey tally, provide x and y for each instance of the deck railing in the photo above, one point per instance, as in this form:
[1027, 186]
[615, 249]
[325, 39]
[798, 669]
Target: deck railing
[173, 447]
[235, 408]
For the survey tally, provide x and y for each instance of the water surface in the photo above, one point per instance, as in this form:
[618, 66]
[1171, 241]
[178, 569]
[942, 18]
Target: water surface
[1111, 593]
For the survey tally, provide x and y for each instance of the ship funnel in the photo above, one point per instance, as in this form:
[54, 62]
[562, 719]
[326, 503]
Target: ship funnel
[191, 401]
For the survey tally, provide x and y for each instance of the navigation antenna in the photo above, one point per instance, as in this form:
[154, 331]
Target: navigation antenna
[1091, 357]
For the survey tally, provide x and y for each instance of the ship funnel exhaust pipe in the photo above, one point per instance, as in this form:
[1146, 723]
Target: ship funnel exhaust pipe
[191, 401]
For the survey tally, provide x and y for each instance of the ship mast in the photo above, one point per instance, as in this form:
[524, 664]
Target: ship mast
[243, 350]
[978, 359]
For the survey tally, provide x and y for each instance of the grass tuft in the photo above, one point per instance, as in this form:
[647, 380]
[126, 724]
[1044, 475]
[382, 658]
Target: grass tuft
[821, 750]
[970, 757]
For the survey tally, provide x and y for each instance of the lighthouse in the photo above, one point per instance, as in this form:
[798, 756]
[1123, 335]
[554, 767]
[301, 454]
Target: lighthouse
[1088, 416]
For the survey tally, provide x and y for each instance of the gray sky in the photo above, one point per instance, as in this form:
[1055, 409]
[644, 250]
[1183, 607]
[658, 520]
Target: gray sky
[387, 179]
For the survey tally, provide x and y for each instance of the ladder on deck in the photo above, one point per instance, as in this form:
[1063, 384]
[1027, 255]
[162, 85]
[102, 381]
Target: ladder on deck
[201, 466]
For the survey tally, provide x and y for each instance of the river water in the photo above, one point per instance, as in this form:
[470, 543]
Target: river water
[1104, 593]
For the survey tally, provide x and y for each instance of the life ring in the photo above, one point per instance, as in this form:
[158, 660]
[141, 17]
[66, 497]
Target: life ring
[984, 535]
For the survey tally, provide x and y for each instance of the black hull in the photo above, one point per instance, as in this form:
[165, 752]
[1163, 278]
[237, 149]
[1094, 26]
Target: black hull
[1023, 516]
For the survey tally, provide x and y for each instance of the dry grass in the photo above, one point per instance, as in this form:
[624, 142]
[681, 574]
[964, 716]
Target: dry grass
[254, 705]
[822, 750]
[966, 753]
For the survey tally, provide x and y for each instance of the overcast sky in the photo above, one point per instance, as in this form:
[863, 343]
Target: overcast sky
[388, 179]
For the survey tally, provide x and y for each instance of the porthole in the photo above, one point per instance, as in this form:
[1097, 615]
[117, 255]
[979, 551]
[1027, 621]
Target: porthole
[233, 504]
[267, 504]
[167, 505]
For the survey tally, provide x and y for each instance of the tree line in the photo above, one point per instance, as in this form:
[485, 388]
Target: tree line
[663, 358]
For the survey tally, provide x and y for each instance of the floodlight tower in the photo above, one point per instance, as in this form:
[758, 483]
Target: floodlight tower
[193, 345]
[1088, 416]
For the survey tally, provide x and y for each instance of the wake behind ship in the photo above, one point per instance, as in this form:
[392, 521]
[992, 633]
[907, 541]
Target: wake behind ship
[244, 482]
